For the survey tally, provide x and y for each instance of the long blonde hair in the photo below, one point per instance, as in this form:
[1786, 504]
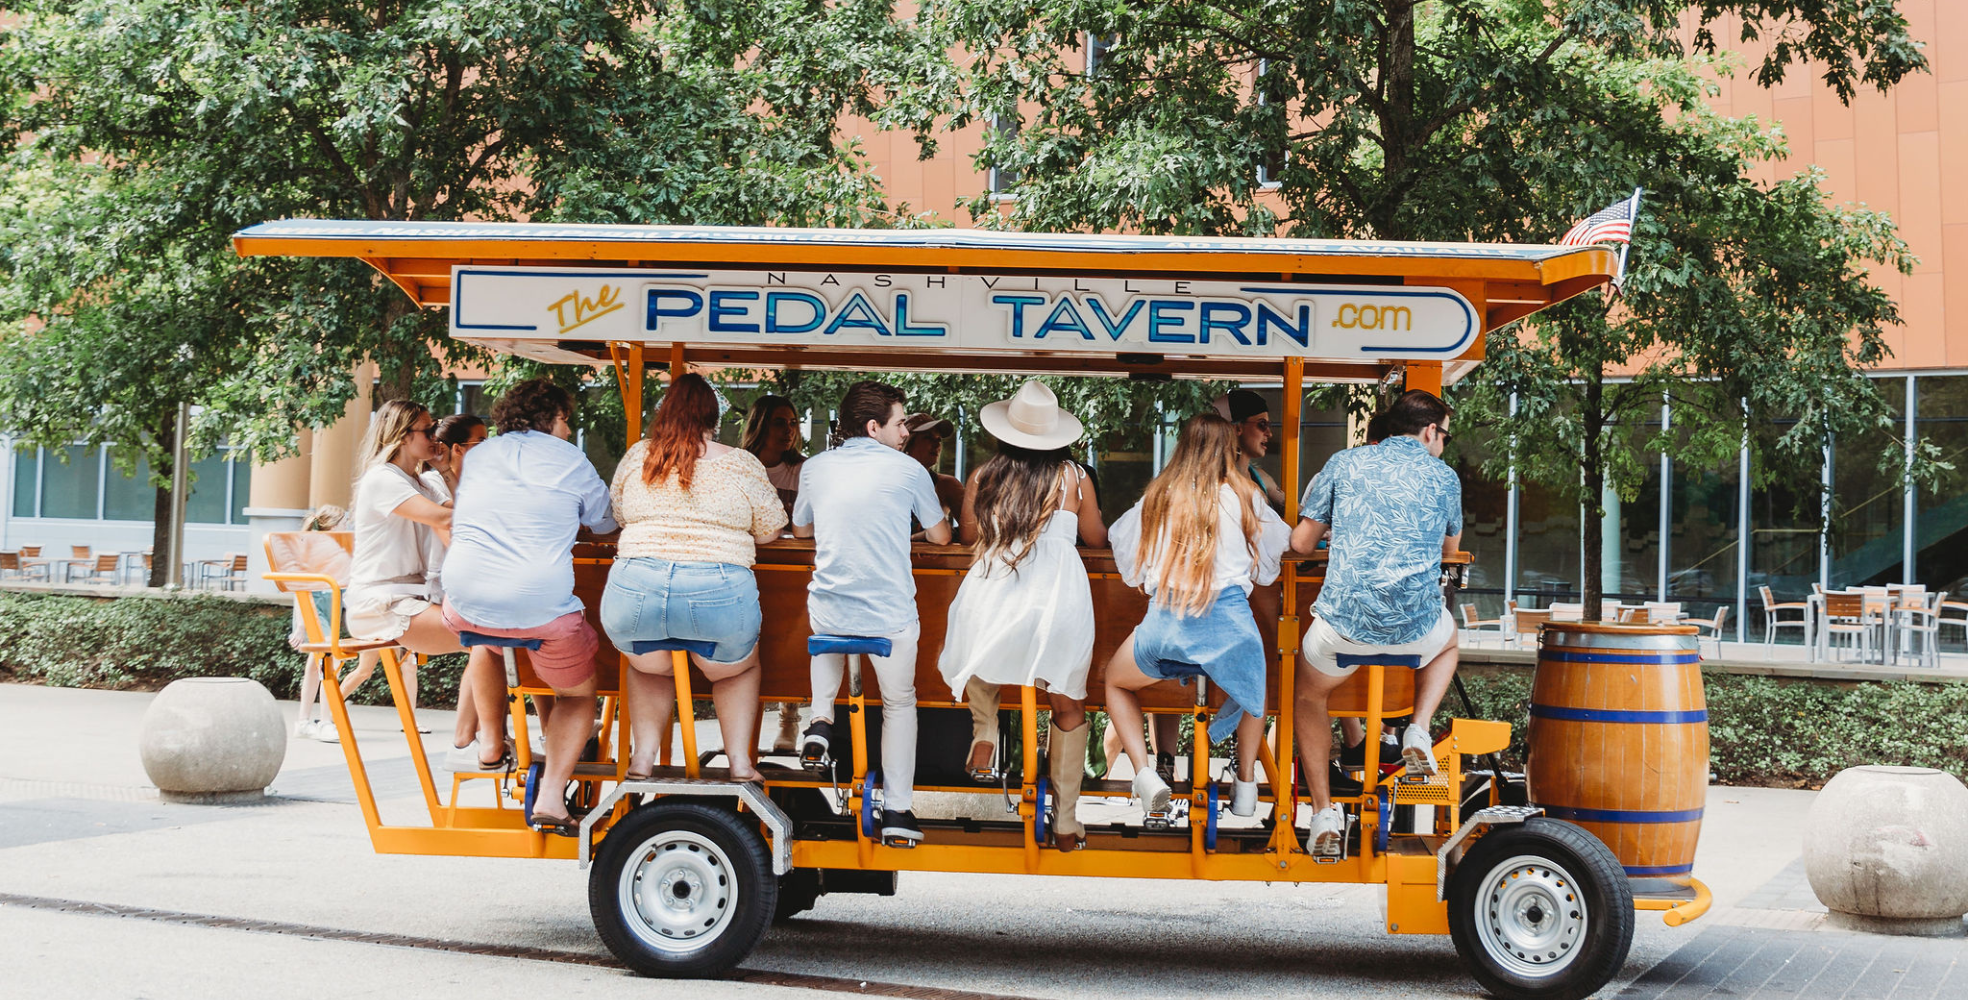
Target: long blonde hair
[388, 427]
[1181, 511]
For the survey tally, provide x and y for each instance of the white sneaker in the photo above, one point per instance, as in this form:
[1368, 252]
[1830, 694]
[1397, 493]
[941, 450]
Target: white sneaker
[464, 758]
[1243, 798]
[1418, 751]
[1152, 791]
[1328, 835]
[324, 731]
[303, 729]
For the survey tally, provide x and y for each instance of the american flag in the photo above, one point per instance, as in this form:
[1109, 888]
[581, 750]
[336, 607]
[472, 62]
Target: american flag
[1612, 224]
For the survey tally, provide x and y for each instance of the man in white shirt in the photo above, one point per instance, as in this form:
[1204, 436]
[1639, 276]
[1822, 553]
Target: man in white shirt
[855, 502]
[510, 572]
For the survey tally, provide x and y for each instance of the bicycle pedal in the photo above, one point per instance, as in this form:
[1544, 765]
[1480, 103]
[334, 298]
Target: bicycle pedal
[985, 776]
[902, 842]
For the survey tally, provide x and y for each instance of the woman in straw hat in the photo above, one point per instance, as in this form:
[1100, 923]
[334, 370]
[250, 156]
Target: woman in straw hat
[1024, 614]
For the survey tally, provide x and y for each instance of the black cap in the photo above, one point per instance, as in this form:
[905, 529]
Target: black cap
[1245, 404]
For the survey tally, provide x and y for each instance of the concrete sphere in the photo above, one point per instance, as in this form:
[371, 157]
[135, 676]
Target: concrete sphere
[1889, 845]
[212, 739]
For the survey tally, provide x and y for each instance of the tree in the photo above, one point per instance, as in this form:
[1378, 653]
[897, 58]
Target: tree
[166, 126]
[1499, 120]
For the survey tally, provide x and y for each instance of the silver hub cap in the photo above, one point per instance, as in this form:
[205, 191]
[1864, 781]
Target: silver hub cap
[1530, 917]
[678, 893]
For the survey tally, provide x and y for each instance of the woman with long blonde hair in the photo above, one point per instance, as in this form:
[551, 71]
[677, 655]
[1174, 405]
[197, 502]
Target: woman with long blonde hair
[401, 532]
[1200, 539]
[1024, 613]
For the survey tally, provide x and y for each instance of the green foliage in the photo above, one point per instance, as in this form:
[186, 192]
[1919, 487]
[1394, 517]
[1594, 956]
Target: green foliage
[154, 129]
[145, 643]
[1781, 733]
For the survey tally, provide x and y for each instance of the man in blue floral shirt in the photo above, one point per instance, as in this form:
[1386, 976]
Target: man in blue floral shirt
[1391, 511]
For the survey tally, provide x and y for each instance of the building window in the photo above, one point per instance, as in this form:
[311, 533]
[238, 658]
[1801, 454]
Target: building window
[1097, 47]
[68, 482]
[88, 486]
[1940, 521]
[1004, 180]
[27, 480]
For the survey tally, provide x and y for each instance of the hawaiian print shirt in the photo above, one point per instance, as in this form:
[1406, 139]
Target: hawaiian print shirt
[1389, 506]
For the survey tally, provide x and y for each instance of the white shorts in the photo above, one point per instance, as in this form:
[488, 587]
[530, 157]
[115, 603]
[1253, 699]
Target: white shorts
[1322, 645]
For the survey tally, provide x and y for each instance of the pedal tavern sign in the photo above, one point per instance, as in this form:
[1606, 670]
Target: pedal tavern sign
[961, 312]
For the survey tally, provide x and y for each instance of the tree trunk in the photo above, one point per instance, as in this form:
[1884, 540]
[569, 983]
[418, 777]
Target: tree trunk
[160, 510]
[1396, 119]
[395, 374]
[1592, 467]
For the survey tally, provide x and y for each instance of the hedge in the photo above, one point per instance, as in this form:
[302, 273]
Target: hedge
[1763, 731]
[144, 643]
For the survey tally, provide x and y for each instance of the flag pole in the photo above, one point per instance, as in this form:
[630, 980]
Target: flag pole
[1633, 221]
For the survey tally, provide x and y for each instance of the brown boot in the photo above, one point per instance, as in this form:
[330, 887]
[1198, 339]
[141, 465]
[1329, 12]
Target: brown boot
[789, 719]
[983, 701]
[1068, 752]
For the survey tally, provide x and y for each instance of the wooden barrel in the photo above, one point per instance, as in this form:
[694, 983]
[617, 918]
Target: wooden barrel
[1619, 739]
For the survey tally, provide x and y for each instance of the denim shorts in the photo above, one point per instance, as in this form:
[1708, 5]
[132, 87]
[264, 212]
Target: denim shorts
[1222, 643]
[648, 599]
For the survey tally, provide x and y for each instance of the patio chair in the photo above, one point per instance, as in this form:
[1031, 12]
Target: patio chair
[1473, 628]
[12, 564]
[1563, 612]
[1917, 627]
[1772, 610]
[102, 569]
[1662, 612]
[1850, 615]
[79, 557]
[1714, 627]
[1945, 619]
[228, 570]
[1526, 622]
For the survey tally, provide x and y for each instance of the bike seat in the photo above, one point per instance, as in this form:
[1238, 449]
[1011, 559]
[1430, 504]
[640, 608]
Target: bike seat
[1412, 661]
[872, 645]
[699, 647]
[503, 642]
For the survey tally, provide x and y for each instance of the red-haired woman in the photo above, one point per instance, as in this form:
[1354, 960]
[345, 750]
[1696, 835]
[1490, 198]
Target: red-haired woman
[692, 511]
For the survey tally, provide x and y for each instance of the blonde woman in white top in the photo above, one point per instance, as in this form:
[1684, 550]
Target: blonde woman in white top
[692, 512]
[401, 530]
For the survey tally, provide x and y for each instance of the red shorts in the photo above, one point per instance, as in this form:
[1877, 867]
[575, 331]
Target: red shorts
[565, 659]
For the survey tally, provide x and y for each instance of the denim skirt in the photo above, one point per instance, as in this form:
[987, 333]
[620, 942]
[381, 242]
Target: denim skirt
[1222, 644]
[648, 599]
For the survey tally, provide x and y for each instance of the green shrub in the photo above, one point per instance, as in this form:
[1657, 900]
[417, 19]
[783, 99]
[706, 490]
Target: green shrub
[1783, 733]
[147, 642]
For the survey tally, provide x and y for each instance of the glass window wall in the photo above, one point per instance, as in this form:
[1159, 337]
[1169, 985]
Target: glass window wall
[1941, 514]
[129, 498]
[68, 482]
[27, 483]
[1868, 513]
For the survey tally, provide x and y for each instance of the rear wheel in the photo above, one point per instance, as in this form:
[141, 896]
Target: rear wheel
[682, 890]
[1541, 911]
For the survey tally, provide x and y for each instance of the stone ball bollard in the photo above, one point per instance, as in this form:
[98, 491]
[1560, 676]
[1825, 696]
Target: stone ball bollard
[212, 740]
[1886, 849]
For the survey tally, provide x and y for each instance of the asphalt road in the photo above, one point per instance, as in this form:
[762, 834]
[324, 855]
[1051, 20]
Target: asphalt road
[105, 891]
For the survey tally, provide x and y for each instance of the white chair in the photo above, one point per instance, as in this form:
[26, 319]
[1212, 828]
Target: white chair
[1475, 629]
[1917, 627]
[1772, 610]
[1713, 625]
[1562, 612]
[1663, 612]
[1946, 620]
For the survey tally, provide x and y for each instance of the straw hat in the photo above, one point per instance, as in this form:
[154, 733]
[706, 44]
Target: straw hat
[1031, 419]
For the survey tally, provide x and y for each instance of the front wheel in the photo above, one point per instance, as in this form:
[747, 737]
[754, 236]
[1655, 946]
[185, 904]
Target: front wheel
[1541, 910]
[682, 890]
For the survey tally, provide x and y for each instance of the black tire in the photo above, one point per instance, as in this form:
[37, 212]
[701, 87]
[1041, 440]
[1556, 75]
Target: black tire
[799, 889]
[708, 868]
[1541, 910]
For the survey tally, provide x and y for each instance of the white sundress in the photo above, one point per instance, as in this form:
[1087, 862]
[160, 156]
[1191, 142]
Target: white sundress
[1032, 624]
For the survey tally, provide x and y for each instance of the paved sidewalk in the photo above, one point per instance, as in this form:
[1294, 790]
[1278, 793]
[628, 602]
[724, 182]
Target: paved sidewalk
[105, 891]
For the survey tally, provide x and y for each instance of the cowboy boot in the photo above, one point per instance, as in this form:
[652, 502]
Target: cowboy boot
[1068, 754]
[983, 701]
[789, 720]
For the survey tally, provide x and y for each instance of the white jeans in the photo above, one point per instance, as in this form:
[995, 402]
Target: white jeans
[895, 675]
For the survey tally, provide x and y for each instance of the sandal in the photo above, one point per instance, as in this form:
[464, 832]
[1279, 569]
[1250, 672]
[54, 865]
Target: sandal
[569, 827]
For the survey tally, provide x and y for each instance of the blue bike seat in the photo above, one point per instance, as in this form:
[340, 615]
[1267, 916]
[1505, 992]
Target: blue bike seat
[1177, 669]
[700, 647]
[872, 645]
[480, 639]
[1346, 660]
